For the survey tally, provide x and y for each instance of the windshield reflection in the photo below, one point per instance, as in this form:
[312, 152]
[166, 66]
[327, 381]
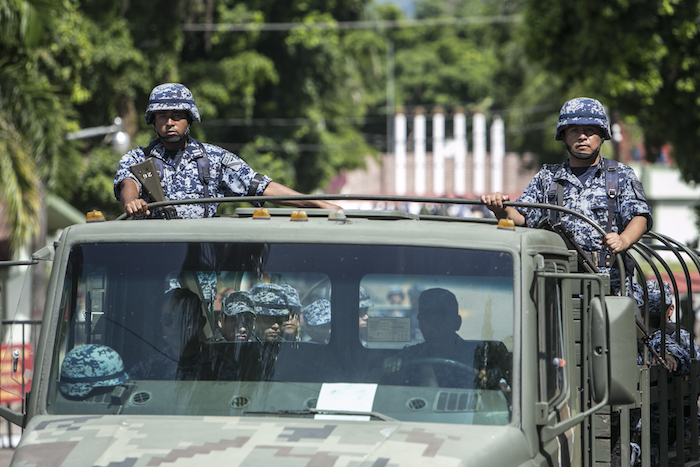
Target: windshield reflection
[410, 333]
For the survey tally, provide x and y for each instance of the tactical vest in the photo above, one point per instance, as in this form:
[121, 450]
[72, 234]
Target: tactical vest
[202, 169]
[555, 196]
[202, 164]
[556, 193]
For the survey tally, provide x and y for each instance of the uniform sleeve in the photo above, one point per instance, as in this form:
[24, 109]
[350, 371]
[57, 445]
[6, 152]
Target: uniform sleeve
[236, 175]
[534, 193]
[685, 343]
[681, 355]
[632, 199]
[130, 158]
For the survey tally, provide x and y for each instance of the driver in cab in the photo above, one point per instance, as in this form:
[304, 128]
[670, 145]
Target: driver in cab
[444, 359]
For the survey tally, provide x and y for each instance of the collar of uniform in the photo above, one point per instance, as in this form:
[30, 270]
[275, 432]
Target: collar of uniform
[565, 173]
[191, 152]
[157, 151]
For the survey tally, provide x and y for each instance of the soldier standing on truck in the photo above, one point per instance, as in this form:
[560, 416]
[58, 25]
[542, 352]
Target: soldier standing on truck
[682, 357]
[189, 169]
[601, 189]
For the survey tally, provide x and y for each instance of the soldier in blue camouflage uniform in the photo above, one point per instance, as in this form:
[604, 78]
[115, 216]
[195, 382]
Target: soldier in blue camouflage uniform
[90, 368]
[680, 353]
[182, 324]
[276, 309]
[317, 321]
[237, 317]
[678, 356]
[171, 110]
[583, 127]
[444, 358]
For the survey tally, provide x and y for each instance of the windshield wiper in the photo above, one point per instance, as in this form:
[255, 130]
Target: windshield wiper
[377, 415]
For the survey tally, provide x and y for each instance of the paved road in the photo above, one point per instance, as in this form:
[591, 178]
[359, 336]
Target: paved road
[5, 457]
[6, 429]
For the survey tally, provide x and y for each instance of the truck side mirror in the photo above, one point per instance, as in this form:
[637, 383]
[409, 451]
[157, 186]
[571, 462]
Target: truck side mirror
[613, 353]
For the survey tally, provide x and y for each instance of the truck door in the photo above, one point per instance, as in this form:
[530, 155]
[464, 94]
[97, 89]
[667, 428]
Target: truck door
[557, 395]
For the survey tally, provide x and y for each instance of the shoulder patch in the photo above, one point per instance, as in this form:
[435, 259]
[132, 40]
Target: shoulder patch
[231, 162]
[639, 190]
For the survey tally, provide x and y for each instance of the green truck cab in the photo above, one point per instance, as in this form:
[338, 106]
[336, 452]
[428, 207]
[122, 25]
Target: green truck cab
[546, 354]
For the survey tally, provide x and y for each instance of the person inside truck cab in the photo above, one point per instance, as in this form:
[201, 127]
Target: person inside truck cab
[317, 321]
[182, 324]
[603, 190]
[276, 310]
[237, 317]
[444, 359]
[364, 305]
[187, 168]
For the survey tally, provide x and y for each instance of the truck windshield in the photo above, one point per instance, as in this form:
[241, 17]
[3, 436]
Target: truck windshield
[305, 330]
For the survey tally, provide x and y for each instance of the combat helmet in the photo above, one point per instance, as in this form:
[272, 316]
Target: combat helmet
[654, 293]
[318, 313]
[365, 299]
[90, 366]
[171, 96]
[582, 111]
[236, 303]
[275, 300]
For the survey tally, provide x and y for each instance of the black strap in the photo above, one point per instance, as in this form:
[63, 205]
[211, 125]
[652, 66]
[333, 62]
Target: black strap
[670, 327]
[253, 188]
[203, 168]
[150, 147]
[555, 196]
[202, 164]
[91, 379]
[611, 189]
[254, 183]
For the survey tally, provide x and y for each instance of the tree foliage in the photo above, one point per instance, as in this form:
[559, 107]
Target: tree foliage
[285, 100]
[34, 117]
[300, 104]
[640, 57]
[479, 67]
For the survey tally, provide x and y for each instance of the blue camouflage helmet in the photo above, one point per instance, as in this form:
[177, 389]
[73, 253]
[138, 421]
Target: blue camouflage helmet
[274, 300]
[365, 299]
[318, 313]
[292, 297]
[236, 303]
[654, 292]
[90, 366]
[171, 96]
[582, 111]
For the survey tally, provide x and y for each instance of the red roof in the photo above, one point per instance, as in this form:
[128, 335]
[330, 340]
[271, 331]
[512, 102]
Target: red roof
[681, 281]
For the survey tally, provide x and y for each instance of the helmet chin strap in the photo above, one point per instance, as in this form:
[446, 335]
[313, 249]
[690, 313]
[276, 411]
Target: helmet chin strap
[582, 155]
[175, 139]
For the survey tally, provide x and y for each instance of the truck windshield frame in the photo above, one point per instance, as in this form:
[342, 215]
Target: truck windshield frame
[321, 362]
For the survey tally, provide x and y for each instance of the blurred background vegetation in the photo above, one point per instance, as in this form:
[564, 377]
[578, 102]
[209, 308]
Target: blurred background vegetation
[303, 89]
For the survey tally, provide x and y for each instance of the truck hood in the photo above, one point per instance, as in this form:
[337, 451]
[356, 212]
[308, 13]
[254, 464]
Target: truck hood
[114, 440]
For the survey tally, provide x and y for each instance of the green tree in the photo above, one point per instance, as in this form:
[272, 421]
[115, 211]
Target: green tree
[292, 93]
[640, 57]
[34, 118]
[286, 101]
[480, 67]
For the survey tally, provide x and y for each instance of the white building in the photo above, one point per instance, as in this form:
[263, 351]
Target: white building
[466, 166]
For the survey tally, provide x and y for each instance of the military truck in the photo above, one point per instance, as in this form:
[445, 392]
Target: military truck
[547, 355]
